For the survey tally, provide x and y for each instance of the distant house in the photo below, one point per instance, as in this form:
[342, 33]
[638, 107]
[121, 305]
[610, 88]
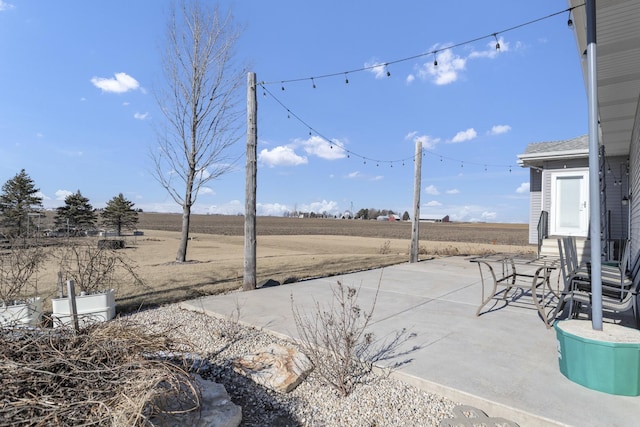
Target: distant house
[434, 218]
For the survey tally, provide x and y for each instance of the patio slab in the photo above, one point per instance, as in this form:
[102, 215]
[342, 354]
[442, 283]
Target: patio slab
[503, 362]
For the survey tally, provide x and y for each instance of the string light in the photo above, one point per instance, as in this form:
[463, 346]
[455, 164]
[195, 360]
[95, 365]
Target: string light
[433, 52]
[386, 66]
[435, 58]
[346, 78]
[313, 82]
[349, 153]
[570, 21]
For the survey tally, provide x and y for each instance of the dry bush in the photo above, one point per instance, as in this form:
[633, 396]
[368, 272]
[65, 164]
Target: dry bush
[385, 248]
[19, 266]
[95, 269]
[335, 338]
[107, 374]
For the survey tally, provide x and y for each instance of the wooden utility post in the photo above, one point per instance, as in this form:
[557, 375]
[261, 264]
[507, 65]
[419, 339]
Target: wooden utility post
[249, 282]
[417, 183]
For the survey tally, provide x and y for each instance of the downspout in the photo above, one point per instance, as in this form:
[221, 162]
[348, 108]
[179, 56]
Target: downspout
[594, 175]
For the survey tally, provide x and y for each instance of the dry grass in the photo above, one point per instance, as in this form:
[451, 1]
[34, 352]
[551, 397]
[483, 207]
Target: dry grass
[305, 248]
[107, 374]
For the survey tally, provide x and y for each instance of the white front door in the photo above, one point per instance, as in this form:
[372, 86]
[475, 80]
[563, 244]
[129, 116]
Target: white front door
[570, 203]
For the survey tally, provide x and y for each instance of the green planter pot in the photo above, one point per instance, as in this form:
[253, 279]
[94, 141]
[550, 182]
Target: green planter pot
[607, 360]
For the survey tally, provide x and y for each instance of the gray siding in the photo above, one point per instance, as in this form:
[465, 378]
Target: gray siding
[535, 203]
[617, 186]
[634, 177]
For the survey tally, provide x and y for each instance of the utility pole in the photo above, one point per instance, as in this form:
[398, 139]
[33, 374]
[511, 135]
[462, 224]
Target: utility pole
[417, 183]
[249, 282]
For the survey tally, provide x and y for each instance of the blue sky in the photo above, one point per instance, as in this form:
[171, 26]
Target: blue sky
[77, 110]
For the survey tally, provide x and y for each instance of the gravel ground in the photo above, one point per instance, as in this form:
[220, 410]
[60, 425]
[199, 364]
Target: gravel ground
[378, 401]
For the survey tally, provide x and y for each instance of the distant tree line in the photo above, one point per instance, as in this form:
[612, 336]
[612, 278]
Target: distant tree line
[370, 213]
[21, 206]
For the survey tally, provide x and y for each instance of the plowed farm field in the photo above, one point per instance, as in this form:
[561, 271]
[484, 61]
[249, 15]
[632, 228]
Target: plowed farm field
[288, 250]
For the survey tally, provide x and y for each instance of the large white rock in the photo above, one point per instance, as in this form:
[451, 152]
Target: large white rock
[276, 367]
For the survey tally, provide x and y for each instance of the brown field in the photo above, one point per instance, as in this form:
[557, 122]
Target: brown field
[288, 250]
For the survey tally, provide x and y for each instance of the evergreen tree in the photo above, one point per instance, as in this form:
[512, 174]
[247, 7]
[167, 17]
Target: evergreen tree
[77, 213]
[119, 214]
[405, 216]
[19, 198]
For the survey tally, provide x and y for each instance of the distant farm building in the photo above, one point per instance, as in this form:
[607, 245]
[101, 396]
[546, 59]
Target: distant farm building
[388, 218]
[434, 218]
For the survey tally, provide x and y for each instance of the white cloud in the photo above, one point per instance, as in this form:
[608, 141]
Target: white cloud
[232, 207]
[410, 78]
[499, 129]
[121, 83]
[432, 190]
[465, 135]
[322, 148]
[432, 204]
[141, 116]
[378, 69]
[206, 190]
[330, 207]
[490, 51]
[453, 191]
[427, 141]
[523, 188]
[271, 209]
[62, 194]
[486, 216]
[281, 156]
[355, 174]
[5, 6]
[448, 68]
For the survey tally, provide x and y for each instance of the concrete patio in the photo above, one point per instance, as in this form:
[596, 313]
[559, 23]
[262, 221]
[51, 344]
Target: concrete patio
[504, 362]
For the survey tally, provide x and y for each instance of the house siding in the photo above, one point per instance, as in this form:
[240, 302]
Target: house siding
[535, 203]
[555, 166]
[634, 177]
[617, 186]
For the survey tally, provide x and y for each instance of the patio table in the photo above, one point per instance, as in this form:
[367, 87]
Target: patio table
[520, 272]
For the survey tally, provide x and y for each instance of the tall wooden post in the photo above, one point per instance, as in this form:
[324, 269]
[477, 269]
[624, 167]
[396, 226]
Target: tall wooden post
[417, 183]
[249, 282]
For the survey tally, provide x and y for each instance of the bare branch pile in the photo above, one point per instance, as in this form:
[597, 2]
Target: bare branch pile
[107, 374]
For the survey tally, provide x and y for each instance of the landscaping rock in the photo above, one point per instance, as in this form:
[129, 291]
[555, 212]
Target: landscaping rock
[276, 367]
[268, 284]
[217, 409]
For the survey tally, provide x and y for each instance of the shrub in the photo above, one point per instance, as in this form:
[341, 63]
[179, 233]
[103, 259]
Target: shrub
[336, 340]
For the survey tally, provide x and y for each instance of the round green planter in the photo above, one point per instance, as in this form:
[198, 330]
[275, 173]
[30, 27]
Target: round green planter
[607, 360]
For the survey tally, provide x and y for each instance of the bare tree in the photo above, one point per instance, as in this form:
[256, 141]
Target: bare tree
[201, 104]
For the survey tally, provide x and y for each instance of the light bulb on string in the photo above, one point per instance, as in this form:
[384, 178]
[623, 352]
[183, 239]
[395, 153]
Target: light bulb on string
[313, 83]
[570, 21]
[346, 78]
[282, 86]
[495, 35]
[435, 58]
